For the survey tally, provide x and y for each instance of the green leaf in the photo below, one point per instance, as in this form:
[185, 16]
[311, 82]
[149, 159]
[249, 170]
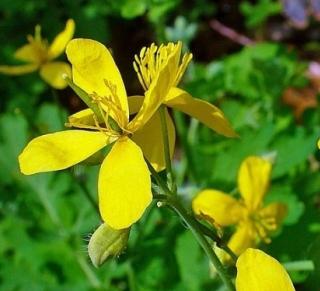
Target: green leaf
[13, 136]
[257, 14]
[293, 150]
[133, 8]
[189, 255]
[285, 195]
[50, 118]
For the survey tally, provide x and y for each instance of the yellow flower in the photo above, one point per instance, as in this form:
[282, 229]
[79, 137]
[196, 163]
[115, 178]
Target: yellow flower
[254, 221]
[124, 183]
[147, 65]
[257, 271]
[39, 56]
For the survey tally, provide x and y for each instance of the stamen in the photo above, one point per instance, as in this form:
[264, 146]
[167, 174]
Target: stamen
[184, 64]
[113, 115]
[263, 225]
[39, 45]
[152, 59]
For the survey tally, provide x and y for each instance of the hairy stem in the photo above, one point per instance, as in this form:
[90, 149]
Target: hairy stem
[170, 199]
[193, 225]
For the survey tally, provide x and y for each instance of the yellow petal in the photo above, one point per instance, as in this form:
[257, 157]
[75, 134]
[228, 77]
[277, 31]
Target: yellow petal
[27, 53]
[60, 42]
[92, 65]
[60, 150]
[205, 112]
[257, 271]
[253, 180]
[154, 96]
[275, 212]
[243, 238]
[124, 185]
[84, 117]
[217, 206]
[18, 70]
[149, 138]
[53, 73]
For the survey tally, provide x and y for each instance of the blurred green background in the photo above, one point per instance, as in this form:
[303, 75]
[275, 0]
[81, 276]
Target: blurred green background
[256, 60]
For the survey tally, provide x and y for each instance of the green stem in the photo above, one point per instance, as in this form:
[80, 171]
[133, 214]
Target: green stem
[166, 148]
[206, 231]
[85, 98]
[92, 105]
[216, 238]
[193, 224]
[206, 246]
[305, 265]
[158, 179]
[233, 256]
[170, 198]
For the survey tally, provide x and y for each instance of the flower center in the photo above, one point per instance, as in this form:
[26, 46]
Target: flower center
[110, 107]
[109, 117]
[152, 59]
[39, 45]
[263, 224]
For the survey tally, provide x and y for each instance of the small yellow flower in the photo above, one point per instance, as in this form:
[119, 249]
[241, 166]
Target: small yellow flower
[39, 56]
[257, 271]
[254, 221]
[147, 65]
[124, 184]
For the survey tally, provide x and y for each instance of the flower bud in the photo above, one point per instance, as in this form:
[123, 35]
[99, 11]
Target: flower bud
[106, 242]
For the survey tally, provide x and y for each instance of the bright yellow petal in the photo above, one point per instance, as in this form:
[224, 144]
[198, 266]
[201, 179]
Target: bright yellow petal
[60, 150]
[124, 185]
[205, 112]
[257, 271]
[253, 180]
[83, 117]
[53, 73]
[27, 53]
[60, 42]
[275, 213]
[154, 96]
[18, 70]
[243, 238]
[217, 206]
[92, 65]
[149, 138]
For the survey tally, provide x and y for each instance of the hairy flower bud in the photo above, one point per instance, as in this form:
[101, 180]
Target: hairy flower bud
[106, 242]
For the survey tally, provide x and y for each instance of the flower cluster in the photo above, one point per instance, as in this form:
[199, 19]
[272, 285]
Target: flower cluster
[130, 125]
[128, 130]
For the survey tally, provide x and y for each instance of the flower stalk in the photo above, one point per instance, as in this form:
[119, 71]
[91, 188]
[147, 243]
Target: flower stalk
[196, 230]
[164, 130]
[170, 198]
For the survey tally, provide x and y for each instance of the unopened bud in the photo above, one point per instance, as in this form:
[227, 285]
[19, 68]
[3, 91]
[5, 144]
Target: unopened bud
[107, 242]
